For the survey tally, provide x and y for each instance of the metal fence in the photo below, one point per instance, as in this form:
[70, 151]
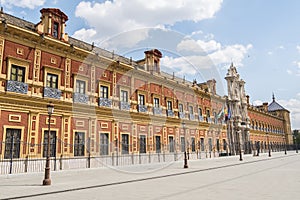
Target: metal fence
[11, 162]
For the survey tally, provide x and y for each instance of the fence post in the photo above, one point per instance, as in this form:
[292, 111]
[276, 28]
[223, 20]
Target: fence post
[60, 162]
[26, 164]
[132, 158]
[55, 152]
[11, 155]
[89, 153]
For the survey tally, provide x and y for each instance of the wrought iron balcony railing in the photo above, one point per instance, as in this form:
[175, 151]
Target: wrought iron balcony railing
[181, 115]
[157, 111]
[80, 98]
[16, 86]
[124, 105]
[105, 102]
[142, 108]
[52, 93]
[191, 117]
[170, 113]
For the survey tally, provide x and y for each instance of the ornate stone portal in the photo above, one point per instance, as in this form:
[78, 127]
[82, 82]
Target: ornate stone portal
[238, 122]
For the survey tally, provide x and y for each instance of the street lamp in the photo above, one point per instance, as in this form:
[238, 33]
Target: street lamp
[284, 145]
[185, 157]
[47, 180]
[295, 142]
[268, 145]
[243, 125]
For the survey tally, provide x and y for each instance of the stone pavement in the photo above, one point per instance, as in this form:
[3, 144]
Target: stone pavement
[263, 177]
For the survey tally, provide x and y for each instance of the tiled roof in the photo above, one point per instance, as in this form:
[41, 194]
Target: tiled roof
[275, 106]
[78, 43]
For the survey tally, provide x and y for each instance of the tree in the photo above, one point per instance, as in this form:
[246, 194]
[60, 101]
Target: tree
[296, 134]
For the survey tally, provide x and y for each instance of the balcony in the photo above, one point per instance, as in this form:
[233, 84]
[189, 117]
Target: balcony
[52, 93]
[200, 118]
[170, 113]
[181, 115]
[124, 105]
[16, 86]
[142, 108]
[105, 102]
[191, 117]
[208, 119]
[80, 98]
[157, 111]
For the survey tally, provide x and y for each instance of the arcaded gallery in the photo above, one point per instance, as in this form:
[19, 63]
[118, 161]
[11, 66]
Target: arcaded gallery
[95, 108]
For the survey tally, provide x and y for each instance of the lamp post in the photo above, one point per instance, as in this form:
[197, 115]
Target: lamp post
[295, 142]
[284, 145]
[243, 126]
[185, 147]
[268, 145]
[47, 180]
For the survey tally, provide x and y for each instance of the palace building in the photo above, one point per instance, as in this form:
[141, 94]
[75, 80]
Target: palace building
[106, 104]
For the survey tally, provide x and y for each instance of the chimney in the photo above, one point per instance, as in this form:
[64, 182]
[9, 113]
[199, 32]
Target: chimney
[265, 106]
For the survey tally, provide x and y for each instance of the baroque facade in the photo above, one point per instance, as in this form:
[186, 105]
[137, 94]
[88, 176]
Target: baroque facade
[106, 104]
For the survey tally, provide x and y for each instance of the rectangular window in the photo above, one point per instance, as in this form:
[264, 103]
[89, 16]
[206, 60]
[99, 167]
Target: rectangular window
[218, 144]
[171, 144]
[104, 143]
[124, 96]
[180, 107]
[79, 144]
[52, 80]
[104, 92]
[169, 105]
[207, 113]
[155, 67]
[80, 86]
[142, 144]
[224, 145]
[141, 99]
[202, 144]
[157, 144]
[12, 143]
[52, 143]
[182, 142]
[191, 110]
[55, 29]
[193, 144]
[209, 144]
[200, 112]
[125, 144]
[17, 73]
[156, 102]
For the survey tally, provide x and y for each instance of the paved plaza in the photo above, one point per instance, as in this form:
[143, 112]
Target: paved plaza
[263, 177]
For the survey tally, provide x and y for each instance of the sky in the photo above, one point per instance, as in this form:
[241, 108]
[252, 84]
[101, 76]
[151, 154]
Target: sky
[199, 39]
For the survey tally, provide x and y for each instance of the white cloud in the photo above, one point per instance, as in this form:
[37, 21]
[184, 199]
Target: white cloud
[31, 4]
[215, 51]
[298, 48]
[289, 72]
[85, 34]
[116, 16]
[257, 103]
[270, 53]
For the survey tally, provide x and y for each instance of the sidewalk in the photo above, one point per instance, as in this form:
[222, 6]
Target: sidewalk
[30, 184]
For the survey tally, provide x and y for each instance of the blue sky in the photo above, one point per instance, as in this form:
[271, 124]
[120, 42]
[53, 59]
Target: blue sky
[199, 38]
